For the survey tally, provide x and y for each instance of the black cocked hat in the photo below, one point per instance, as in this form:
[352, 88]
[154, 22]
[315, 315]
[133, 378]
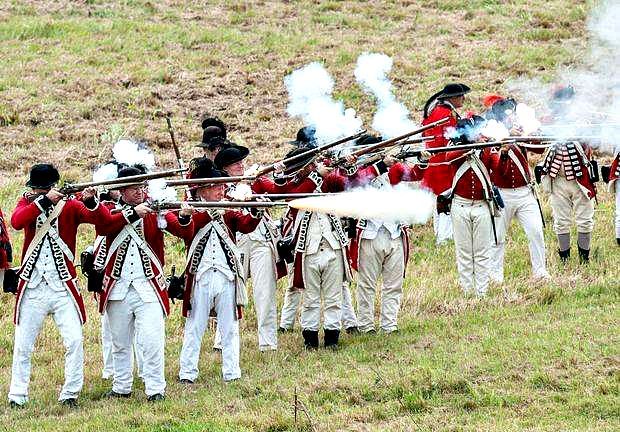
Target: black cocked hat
[453, 90]
[204, 167]
[293, 166]
[305, 137]
[502, 109]
[213, 132]
[367, 139]
[43, 176]
[130, 171]
[230, 155]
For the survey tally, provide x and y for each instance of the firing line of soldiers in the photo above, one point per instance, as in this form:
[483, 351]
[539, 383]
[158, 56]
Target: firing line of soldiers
[478, 192]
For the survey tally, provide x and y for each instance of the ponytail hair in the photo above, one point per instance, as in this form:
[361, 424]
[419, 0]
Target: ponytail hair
[430, 101]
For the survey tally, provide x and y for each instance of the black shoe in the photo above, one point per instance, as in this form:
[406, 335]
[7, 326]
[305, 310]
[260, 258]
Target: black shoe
[113, 394]
[186, 381]
[618, 241]
[156, 397]
[352, 330]
[331, 338]
[70, 402]
[584, 255]
[217, 350]
[564, 255]
[284, 330]
[15, 405]
[311, 339]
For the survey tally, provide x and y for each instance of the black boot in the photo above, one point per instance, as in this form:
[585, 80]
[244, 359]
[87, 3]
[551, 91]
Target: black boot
[618, 241]
[311, 339]
[331, 338]
[584, 255]
[564, 255]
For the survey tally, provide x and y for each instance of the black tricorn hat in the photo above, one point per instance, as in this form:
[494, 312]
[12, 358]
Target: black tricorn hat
[298, 164]
[43, 176]
[203, 167]
[502, 108]
[305, 137]
[368, 139]
[129, 171]
[230, 155]
[453, 90]
[215, 142]
[467, 129]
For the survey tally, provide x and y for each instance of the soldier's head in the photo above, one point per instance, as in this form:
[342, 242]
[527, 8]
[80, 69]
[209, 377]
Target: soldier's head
[42, 178]
[231, 160]
[204, 168]
[132, 193]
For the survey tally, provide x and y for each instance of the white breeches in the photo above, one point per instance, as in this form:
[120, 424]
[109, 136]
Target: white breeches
[442, 225]
[567, 199]
[215, 289]
[520, 203]
[380, 257]
[37, 304]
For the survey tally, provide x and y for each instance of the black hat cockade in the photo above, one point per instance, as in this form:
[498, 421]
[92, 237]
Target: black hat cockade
[43, 176]
[305, 137]
[449, 91]
[213, 133]
[230, 155]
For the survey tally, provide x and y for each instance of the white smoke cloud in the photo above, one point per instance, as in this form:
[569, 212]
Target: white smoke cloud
[310, 97]
[392, 118]
[132, 153]
[105, 172]
[526, 119]
[401, 204]
[595, 107]
[495, 130]
[158, 191]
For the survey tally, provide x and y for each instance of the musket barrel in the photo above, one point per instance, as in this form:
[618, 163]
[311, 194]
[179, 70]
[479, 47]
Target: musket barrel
[310, 152]
[208, 181]
[173, 205]
[122, 181]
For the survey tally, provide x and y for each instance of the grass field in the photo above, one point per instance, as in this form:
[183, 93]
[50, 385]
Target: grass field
[528, 357]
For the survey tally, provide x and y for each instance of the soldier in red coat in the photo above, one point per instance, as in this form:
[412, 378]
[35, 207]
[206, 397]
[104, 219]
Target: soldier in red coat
[134, 293]
[511, 174]
[47, 278]
[214, 278]
[438, 176]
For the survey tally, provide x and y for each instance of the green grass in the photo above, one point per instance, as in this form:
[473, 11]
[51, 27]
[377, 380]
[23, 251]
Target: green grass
[75, 76]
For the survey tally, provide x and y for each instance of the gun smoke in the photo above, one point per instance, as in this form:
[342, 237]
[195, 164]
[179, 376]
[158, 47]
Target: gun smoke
[310, 97]
[596, 103]
[391, 118]
[396, 204]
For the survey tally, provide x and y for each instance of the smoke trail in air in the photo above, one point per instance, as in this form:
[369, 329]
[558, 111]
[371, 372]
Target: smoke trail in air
[398, 204]
[391, 118]
[310, 97]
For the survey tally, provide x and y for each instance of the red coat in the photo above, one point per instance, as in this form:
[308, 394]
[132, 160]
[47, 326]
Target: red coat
[400, 172]
[438, 178]
[72, 215]
[235, 221]
[506, 174]
[614, 171]
[469, 186]
[5, 245]
[584, 181]
[112, 226]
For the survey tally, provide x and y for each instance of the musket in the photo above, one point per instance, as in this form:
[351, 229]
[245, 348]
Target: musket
[473, 146]
[546, 138]
[70, 188]
[177, 152]
[176, 205]
[209, 181]
[390, 142]
[311, 152]
[382, 153]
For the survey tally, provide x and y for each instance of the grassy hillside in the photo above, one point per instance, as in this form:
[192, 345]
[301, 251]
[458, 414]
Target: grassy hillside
[529, 357]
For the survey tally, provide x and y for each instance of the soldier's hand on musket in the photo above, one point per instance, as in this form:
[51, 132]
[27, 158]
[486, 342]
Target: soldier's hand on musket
[424, 156]
[54, 195]
[351, 159]
[323, 170]
[142, 210]
[89, 193]
[389, 160]
[186, 210]
[504, 148]
[279, 167]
